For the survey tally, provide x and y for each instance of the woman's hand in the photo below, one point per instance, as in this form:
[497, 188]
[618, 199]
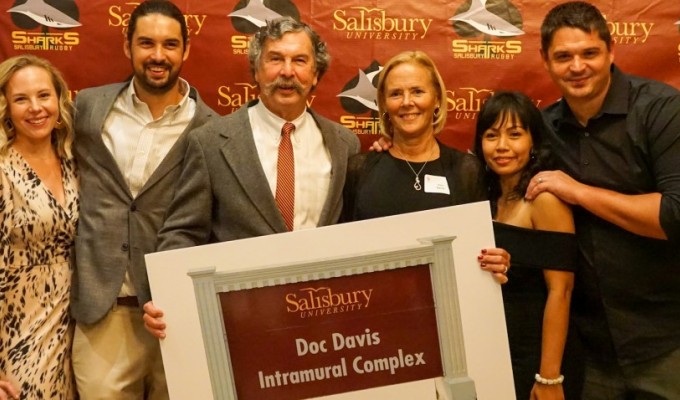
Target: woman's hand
[8, 392]
[380, 145]
[496, 261]
[152, 320]
[547, 392]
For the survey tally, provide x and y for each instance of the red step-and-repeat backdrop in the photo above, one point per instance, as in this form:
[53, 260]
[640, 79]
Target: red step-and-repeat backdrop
[477, 53]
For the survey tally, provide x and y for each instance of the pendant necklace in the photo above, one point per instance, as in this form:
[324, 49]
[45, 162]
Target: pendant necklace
[416, 184]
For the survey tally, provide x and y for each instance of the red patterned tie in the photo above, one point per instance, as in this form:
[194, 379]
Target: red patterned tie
[285, 176]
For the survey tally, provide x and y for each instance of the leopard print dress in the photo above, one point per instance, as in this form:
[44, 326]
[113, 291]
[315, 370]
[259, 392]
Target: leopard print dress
[36, 238]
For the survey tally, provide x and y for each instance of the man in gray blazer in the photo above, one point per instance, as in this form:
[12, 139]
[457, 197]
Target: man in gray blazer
[130, 142]
[228, 189]
[228, 183]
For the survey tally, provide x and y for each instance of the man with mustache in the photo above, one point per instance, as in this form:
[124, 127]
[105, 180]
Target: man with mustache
[130, 142]
[231, 185]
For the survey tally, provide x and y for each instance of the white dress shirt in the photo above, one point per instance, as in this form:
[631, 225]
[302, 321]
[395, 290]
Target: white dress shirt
[312, 161]
[139, 143]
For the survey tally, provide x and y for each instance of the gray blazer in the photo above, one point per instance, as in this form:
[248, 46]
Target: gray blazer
[116, 230]
[224, 194]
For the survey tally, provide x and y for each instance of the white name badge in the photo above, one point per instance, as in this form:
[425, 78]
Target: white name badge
[436, 184]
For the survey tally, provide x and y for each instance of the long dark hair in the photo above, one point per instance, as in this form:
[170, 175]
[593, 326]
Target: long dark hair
[516, 106]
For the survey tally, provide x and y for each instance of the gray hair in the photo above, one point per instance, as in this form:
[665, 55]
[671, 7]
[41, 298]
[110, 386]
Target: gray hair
[274, 30]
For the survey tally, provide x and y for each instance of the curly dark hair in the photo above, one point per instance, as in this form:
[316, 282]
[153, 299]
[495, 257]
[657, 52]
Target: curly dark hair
[517, 106]
[274, 30]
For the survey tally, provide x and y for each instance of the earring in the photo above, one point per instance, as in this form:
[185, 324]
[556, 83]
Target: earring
[9, 125]
[532, 154]
[58, 125]
[436, 112]
[386, 116]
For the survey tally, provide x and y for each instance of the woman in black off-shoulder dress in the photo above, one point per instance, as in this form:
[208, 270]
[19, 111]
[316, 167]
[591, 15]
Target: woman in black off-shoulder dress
[539, 234]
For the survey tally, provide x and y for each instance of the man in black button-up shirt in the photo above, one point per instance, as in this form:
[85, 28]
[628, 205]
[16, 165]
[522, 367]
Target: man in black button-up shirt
[617, 139]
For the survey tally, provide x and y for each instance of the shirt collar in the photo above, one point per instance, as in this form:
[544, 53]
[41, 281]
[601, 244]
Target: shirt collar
[138, 104]
[615, 102]
[273, 122]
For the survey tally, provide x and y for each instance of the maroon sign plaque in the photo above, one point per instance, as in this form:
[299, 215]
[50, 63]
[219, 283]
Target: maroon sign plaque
[330, 336]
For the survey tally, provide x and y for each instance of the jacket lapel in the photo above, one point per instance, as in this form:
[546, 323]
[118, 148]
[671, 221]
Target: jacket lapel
[176, 154]
[98, 153]
[240, 154]
[338, 168]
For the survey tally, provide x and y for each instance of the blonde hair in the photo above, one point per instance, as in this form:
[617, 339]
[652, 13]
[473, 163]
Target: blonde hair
[420, 58]
[62, 135]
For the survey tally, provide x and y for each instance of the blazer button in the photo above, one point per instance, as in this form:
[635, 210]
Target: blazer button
[125, 247]
[133, 207]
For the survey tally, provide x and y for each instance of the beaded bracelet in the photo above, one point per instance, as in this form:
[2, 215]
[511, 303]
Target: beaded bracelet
[545, 381]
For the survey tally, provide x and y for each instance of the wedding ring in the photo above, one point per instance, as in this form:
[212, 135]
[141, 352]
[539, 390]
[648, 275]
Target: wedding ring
[505, 271]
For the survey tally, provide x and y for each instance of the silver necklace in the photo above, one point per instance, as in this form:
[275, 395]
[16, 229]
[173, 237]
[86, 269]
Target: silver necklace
[416, 184]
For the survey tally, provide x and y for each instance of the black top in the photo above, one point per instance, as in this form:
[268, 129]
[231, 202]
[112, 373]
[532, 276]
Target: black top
[380, 185]
[385, 192]
[538, 249]
[627, 293]
[524, 298]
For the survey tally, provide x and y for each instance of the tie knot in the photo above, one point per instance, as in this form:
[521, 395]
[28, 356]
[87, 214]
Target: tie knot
[288, 128]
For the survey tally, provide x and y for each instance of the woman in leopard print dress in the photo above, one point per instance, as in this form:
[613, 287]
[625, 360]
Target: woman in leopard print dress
[38, 215]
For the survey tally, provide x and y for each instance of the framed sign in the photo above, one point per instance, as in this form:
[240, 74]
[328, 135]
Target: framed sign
[303, 269]
[332, 326]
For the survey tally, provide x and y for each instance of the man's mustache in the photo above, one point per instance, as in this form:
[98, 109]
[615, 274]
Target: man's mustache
[282, 83]
[158, 64]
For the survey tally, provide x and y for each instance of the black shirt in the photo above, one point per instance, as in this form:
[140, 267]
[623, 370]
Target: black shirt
[627, 294]
[379, 185]
[389, 190]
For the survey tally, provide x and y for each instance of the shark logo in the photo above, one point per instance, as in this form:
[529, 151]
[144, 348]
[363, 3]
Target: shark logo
[491, 17]
[250, 15]
[360, 94]
[56, 14]
[61, 14]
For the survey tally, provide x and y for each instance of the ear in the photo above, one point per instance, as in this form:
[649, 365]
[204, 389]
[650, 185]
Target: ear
[256, 77]
[126, 49]
[544, 57]
[186, 51]
[316, 79]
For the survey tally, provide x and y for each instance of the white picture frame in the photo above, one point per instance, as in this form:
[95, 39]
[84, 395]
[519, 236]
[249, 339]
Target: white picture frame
[486, 353]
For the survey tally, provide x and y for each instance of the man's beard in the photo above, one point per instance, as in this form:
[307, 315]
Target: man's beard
[158, 87]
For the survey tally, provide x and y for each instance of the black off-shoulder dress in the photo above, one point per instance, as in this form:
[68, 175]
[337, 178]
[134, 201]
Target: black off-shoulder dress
[524, 297]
